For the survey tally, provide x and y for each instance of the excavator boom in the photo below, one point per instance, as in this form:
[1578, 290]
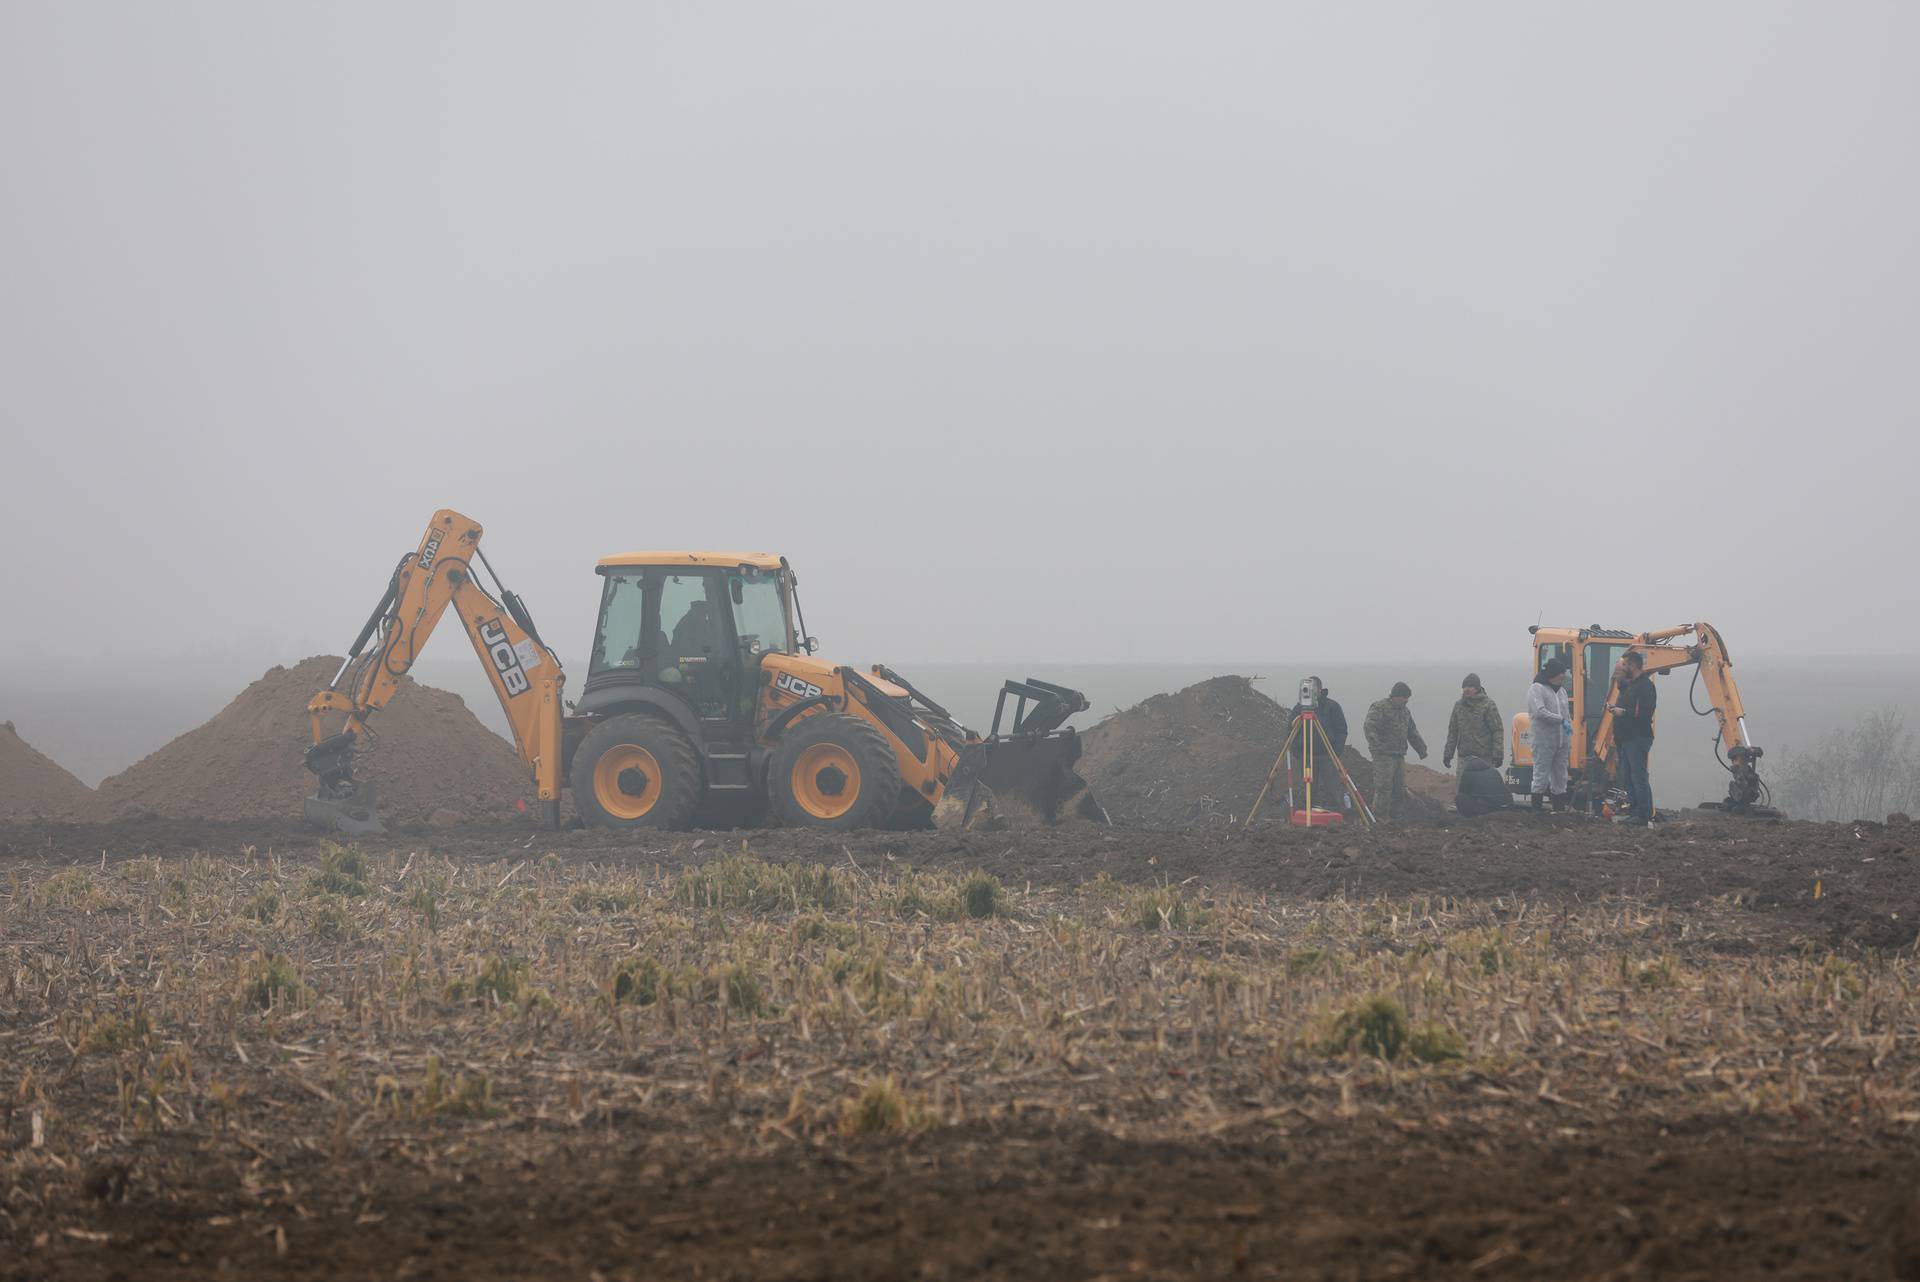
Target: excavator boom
[1745, 790]
[526, 675]
[1709, 651]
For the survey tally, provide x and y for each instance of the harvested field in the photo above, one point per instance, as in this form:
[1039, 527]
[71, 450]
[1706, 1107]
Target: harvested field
[34, 785]
[430, 753]
[1522, 1047]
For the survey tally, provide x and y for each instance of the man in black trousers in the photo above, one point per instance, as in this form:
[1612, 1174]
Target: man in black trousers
[1633, 735]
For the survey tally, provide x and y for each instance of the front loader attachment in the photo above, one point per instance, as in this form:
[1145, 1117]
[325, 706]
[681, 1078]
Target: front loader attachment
[1023, 776]
[1021, 782]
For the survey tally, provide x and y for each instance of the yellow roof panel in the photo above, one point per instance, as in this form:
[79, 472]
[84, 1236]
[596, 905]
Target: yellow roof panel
[625, 560]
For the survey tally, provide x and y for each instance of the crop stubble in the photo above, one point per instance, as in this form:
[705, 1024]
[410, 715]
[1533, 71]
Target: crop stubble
[466, 1056]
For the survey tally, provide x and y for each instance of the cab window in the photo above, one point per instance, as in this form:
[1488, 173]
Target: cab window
[616, 643]
[687, 618]
[759, 612]
[1599, 676]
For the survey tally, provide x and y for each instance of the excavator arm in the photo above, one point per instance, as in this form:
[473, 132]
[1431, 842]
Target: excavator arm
[1666, 650]
[526, 675]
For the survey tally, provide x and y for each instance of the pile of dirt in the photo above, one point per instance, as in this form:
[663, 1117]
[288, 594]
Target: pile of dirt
[34, 785]
[1429, 793]
[430, 753]
[1195, 758]
[1434, 785]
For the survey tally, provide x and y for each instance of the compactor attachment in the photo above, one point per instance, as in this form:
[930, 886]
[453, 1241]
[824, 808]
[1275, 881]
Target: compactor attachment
[1024, 773]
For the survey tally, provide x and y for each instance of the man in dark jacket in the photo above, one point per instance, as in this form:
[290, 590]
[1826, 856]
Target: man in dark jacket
[1633, 735]
[1482, 791]
[1474, 730]
[1328, 789]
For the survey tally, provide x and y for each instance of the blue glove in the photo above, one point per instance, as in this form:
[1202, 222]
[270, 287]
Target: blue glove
[1566, 724]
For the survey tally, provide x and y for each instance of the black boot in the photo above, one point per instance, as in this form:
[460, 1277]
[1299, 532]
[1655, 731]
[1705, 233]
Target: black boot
[1539, 802]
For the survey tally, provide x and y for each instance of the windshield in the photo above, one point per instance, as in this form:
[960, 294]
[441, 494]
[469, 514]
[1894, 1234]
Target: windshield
[616, 642]
[1599, 676]
[759, 612]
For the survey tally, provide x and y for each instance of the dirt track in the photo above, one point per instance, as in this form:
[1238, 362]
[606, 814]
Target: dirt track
[1636, 1144]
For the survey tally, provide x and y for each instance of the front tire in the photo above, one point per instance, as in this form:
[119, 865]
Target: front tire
[636, 771]
[834, 771]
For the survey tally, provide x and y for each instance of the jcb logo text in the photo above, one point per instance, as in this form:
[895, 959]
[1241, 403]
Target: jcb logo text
[794, 685]
[505, 661]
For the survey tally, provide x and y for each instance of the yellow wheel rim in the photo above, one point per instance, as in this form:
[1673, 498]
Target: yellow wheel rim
[626, 781]
[826, 780]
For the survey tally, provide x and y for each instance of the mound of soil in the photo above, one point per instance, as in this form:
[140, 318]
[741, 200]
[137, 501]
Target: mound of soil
[1429, 793]
[430, 753]
[1195, 758]
[34, 785]
[1434, 785]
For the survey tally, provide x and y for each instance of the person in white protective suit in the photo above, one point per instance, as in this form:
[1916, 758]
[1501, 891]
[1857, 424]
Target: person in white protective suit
[1550, 730]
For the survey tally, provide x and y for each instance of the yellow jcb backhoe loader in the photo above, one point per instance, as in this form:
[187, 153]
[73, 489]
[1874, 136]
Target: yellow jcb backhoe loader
[702, 687]
[1593, 659]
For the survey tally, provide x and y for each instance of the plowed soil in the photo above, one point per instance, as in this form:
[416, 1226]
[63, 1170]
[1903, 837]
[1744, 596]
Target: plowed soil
[429, 753]
[34, 785]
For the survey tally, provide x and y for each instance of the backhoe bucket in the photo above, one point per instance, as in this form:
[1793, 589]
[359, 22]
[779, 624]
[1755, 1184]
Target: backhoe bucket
[354, 814]
[1020, 782]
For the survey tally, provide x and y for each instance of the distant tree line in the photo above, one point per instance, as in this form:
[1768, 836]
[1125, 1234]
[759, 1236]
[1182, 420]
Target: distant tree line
[1866, 772]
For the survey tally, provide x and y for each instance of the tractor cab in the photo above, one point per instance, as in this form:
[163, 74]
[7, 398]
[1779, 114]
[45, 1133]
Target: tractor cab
[685, 634]
[693, 626]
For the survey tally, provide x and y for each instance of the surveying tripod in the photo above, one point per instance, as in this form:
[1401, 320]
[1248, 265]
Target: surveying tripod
[1308, 731]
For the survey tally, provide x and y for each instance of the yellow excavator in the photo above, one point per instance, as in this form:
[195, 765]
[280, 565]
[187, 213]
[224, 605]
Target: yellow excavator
[702, 688]
[1593, 656]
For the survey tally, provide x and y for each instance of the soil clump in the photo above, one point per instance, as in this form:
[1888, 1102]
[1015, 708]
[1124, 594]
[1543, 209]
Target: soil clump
[429, 753]
[34, 785]
[1196, 758]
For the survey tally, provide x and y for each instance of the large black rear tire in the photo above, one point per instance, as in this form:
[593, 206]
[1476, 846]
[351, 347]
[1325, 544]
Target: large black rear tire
[834, 771]
[636, 771]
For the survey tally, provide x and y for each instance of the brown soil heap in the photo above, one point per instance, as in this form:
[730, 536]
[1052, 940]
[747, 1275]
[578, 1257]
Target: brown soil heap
[430, 754]
[34, 785]
[1196, 758]
[1434, 785]
[1429, 793]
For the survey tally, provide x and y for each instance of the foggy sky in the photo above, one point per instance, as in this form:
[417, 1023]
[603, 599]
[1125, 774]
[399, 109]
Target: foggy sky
[1104, 331]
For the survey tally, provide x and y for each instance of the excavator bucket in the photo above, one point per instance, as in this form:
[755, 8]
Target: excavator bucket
[354, 815]
[1025, 776]
[340, 803]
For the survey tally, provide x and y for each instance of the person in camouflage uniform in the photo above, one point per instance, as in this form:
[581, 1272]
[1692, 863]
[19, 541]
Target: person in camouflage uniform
[1474, 730]
[1390, 730]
